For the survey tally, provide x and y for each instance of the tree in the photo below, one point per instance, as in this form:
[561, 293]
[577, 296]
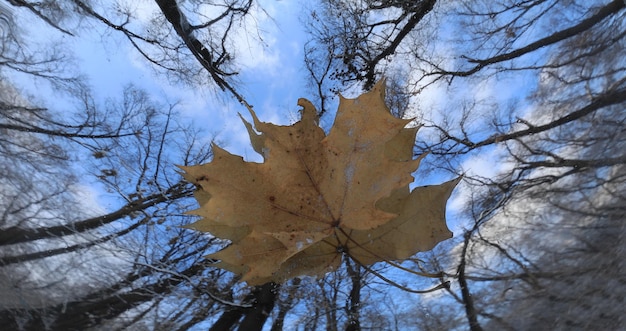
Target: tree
[130, 147]
[65, 264]
[135, 249]
[558, 157]
[531, 91]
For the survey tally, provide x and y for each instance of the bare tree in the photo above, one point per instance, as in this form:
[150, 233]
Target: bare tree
[558, 138]
[67, 264]
[181, 40]
[359, 37]
[540, 236]
[45, 230]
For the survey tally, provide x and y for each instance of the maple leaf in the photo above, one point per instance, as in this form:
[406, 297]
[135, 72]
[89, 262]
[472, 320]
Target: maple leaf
[319, 197]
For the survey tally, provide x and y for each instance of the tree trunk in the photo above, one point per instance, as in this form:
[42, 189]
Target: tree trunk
[354, 306]
[262, 298]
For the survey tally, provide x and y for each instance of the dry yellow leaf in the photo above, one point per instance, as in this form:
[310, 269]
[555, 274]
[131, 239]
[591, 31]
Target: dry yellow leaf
[316, 198]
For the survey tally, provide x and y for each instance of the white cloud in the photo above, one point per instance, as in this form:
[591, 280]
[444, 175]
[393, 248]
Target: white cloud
[488, 164]
[88, 197]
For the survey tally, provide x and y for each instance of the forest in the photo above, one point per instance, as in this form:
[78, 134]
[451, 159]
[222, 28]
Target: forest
[106, 107]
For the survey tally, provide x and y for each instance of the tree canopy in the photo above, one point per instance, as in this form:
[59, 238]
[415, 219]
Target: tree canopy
[520, 105]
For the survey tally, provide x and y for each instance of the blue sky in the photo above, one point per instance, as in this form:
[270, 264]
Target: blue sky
[272, 78]
[269, 75]
[269, 55]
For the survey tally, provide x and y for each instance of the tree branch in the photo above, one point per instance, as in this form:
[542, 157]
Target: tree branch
[16, 235]
[608, 99]
[586, 24]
